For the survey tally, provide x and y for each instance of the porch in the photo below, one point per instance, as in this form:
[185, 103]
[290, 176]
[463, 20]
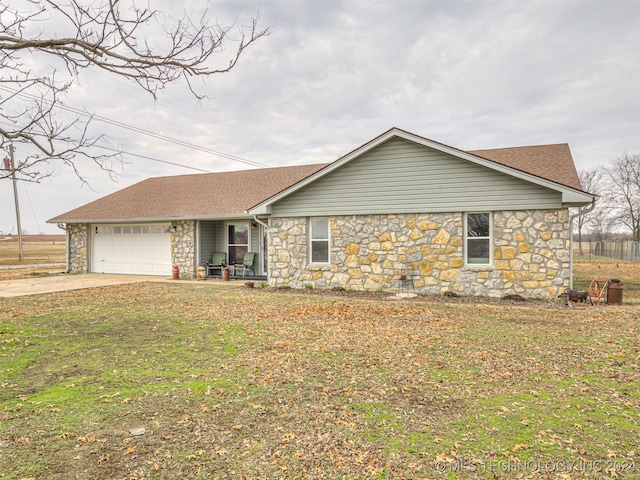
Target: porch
[233, 238]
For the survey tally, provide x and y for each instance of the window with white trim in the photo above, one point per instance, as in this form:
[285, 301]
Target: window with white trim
[478, 239]
[319, 240]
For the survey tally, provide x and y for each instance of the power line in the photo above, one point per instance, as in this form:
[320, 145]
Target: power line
[135, 129]
[208, 117]
[124, 152]
[199, 113]
[33, 212]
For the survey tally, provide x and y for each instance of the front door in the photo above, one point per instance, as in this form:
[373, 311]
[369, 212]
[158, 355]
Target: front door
[237, 241]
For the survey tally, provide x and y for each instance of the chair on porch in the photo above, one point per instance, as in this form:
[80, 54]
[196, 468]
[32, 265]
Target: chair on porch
[247, 264]
[216, 263]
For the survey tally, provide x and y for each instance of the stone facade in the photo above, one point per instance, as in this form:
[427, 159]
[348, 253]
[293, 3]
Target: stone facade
[368, 252]
[183, 247]
[78, 235]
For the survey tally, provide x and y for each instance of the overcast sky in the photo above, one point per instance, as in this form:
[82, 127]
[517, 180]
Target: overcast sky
[335, 74]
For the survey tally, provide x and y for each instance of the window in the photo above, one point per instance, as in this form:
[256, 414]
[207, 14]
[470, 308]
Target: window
[319, 245]
[131, 229]
[478, 249]
[238, 241]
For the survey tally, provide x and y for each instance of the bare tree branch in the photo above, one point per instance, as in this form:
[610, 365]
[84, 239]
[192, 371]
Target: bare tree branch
[106, 35]
[591, 182]
[623, 182]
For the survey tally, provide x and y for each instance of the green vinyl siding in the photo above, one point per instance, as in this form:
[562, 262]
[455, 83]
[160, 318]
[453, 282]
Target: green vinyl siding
[400, 177]
[207, 241]
[212, 239]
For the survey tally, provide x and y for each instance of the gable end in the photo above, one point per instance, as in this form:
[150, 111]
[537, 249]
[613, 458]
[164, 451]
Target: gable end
[400, 176]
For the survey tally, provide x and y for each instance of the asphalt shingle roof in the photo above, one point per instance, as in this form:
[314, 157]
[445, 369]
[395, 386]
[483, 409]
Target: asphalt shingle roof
[551, 162]
[193, 196]
[232, 193]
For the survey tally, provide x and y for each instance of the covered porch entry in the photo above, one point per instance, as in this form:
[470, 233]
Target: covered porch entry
[234, 238]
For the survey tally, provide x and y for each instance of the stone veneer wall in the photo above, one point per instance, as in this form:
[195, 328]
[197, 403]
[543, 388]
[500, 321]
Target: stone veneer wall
[78, 234]
[531, 254]
[183, 247]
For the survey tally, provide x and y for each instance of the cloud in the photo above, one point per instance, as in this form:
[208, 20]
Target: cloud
[334, 74]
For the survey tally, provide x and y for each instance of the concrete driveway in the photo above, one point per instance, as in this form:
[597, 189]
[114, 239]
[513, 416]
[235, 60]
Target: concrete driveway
[61, 283]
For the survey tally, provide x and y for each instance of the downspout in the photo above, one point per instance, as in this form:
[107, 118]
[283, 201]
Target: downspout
[571, 218]
[257, 220]
[264, 225]
[63, 226]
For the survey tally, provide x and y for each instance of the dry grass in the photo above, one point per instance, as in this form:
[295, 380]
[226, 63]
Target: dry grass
[252, 383]
[584, 272]
[36, 249]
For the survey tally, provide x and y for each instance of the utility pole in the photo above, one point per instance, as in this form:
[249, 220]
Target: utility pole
[15, 199]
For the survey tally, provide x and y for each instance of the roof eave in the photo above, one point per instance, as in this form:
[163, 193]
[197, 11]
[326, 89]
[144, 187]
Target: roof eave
[574, 198]
[150, 219]
[260, 209]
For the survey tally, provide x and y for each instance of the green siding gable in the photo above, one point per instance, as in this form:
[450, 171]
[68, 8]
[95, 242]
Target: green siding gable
[400, 176]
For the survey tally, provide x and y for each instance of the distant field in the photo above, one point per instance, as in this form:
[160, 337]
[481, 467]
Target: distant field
[36, 249]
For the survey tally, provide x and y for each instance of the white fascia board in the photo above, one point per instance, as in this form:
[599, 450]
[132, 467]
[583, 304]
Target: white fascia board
[112, 220]
[152, 220]
[576, 199]
[261, 209]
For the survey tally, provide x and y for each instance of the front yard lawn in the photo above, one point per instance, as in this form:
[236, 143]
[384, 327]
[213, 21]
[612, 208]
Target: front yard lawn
[194, 380]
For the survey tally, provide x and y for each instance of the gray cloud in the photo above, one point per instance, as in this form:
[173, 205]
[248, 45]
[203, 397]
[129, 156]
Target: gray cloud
[335, 74]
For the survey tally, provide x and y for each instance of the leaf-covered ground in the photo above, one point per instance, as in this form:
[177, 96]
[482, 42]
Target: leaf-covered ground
[197, 380]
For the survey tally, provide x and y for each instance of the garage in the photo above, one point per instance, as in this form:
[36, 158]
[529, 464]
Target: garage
[143, 249]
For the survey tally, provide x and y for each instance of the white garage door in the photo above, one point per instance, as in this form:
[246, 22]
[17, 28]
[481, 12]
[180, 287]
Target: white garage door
[131, 249]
